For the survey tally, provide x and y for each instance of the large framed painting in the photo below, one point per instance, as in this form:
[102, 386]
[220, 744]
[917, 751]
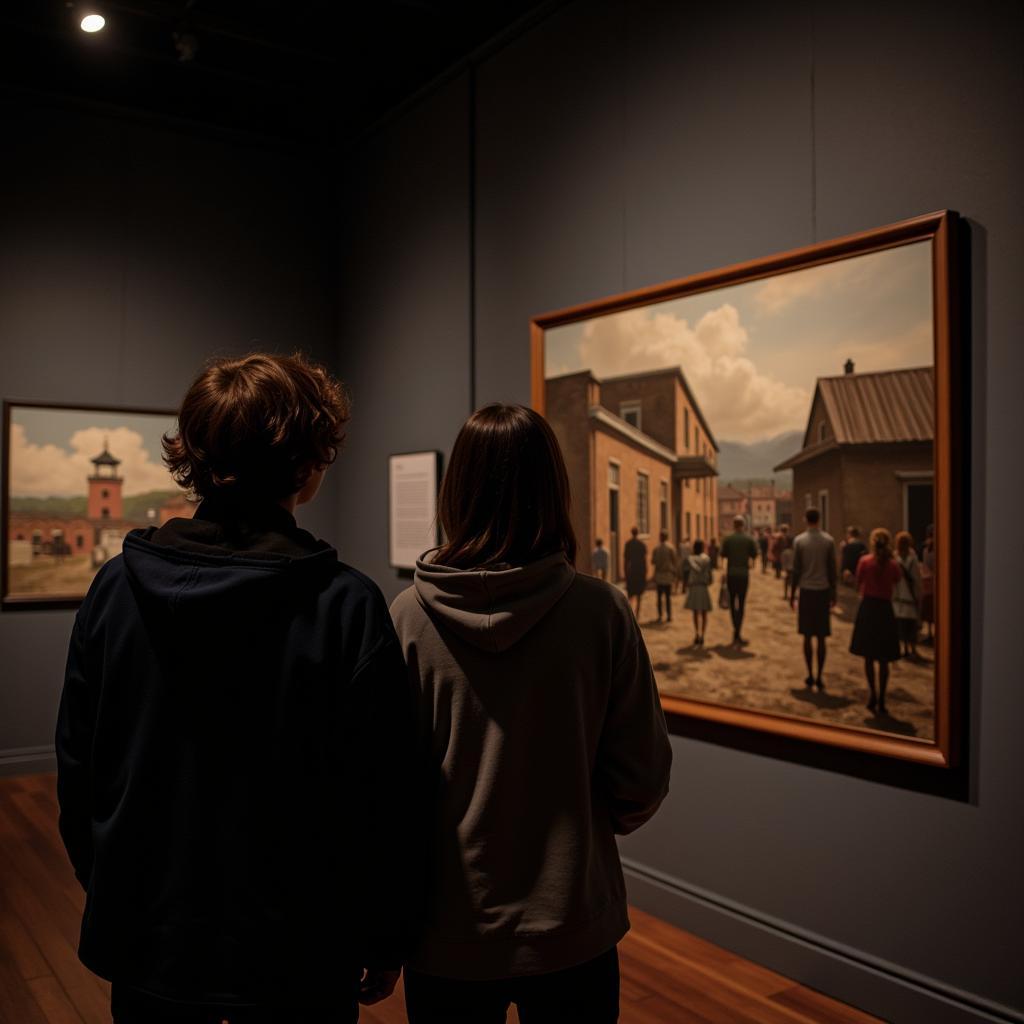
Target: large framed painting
[75, 481]
[767, 459]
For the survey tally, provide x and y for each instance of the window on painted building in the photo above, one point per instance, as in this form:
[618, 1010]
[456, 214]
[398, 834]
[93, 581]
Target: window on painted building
[105, 513]
[686, 428]
[688, 526]
[104, 493]
[630, 412]
[79, 541]
[613, 474]
[823, 508]
[643, 502]
[663, 505]
[808, 500]
[822, 430]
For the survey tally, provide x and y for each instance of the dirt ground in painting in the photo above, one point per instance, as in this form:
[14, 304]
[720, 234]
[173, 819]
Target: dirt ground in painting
[768, 675]
[48, 575]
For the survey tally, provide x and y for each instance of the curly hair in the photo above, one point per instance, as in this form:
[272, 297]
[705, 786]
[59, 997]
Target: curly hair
[257, 427]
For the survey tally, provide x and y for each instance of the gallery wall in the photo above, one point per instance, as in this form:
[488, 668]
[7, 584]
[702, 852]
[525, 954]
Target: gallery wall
[129, 254]
[620, 144]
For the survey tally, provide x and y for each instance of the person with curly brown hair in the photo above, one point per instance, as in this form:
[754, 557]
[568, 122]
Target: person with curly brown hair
[234, 732]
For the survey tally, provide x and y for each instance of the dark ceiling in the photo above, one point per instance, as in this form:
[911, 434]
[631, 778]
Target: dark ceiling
[307, 71]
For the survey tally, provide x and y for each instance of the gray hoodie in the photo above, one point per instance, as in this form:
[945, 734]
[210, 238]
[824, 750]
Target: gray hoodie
[543, 728]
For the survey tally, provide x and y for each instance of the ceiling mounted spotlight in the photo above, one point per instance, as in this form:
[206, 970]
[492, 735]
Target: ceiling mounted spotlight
[93, 22]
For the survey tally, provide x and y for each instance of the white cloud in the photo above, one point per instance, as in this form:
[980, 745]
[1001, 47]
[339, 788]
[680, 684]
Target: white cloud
[48, 470]
[739, 403]
[784, 289]
[781, 291]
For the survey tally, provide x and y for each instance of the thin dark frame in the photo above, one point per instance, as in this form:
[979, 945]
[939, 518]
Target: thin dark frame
[438, 460]
[58, 602]
[942, 230]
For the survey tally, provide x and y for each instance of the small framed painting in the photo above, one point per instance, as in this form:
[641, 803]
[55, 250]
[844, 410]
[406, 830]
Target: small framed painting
[76, 479]
[769, 460]
[413, 482]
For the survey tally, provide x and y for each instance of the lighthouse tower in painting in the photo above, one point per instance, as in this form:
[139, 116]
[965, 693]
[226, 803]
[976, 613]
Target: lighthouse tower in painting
[105, 501]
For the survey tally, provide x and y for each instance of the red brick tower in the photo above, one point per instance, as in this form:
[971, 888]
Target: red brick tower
[105, 501]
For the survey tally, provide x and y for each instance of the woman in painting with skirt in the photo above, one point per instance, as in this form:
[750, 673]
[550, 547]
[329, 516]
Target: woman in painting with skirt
[696, 586]
[875, 635]
[907, 594]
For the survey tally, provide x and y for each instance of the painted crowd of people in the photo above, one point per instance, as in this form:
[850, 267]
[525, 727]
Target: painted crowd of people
[895, 585]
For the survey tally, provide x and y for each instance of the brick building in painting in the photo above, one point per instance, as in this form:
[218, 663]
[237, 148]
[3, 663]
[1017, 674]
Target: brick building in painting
[760, 505]
[867, 459]
[770, 506]
[732, 502]
[639, 453]
[99, 531]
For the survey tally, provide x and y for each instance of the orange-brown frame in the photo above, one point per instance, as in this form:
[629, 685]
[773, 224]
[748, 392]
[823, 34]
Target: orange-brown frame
[941, 229]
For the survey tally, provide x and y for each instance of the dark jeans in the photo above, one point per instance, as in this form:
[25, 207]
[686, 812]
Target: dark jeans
[738, 586]
[588, 993]
[665, 591]
[128, 1006]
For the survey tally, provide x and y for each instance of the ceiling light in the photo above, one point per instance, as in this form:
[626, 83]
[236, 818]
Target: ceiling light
[93, 22]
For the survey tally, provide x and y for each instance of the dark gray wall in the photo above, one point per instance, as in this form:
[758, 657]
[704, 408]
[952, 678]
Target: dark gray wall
[621, 144]
[405, 300]
[130, 254]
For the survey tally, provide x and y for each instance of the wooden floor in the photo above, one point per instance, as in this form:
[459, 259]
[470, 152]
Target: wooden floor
[668, 976]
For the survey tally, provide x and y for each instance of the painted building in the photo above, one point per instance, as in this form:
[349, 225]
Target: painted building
[732, 502]
[639, 453]
[32, 534]
[867, 459]
[761, 505]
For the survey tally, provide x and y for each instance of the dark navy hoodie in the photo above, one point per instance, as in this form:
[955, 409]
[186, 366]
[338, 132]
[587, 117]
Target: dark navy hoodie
[234, 758]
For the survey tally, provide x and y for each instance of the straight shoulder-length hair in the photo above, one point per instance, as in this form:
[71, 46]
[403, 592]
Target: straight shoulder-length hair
[505, 496]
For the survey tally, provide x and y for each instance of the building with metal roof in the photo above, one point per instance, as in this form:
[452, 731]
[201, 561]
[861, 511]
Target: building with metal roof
[868, 459]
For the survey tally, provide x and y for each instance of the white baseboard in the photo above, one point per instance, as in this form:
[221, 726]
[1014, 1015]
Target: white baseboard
[878, 987]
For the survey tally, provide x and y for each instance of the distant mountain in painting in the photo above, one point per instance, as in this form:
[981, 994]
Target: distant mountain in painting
[756, 462]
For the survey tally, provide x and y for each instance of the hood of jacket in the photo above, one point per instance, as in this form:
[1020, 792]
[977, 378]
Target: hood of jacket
[213, 567]
[493, 608]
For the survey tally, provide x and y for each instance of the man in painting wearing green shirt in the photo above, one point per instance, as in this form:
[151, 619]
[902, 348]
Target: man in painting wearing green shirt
[739, 552]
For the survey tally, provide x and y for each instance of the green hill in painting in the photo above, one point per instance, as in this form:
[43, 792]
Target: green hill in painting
[59, 508]
[135, 505]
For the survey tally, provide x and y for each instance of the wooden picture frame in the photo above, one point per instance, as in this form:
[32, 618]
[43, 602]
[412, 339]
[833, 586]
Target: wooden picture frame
[10, 598]
[940, 229]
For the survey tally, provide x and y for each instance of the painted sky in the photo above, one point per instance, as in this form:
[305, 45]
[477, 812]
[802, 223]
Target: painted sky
[752, 352]
[50, 450]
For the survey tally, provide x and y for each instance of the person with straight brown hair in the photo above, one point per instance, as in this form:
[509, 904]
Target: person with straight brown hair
[542, 724]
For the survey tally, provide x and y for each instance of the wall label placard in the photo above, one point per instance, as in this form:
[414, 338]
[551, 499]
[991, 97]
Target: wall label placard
[413, 480]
